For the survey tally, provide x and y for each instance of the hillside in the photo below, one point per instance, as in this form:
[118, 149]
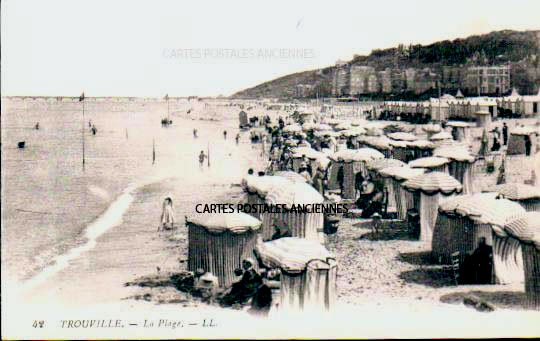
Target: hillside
[519, 49]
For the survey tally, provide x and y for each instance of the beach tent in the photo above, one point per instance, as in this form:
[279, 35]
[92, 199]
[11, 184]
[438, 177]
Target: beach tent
[526, 229]
[483, 119]
[257, 188]
[527, 196]
[352, 161]
[433, 163]
[460, 166]
[516, 140]
[465, 219]
[219, 242]
[462, 130]
[375, 167]
[302, 224]
[404, 199]
[308, 273]
[434, 187]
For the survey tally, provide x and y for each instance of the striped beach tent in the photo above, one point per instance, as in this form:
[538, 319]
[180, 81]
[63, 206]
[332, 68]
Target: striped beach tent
[403, 199]
[308, 273]
[460, 165]
[467, 218]
[433, 187]
[257, 188]
[526, 229]
[402, 136]
[308, 225]
[219, 242]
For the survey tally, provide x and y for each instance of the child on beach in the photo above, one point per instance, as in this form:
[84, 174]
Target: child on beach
[167, 216]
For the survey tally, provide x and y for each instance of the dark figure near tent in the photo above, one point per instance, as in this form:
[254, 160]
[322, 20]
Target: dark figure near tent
[371, 198]
[237, 138]
[454, 134]
[478, 267]
[505, 133]
[528, 145]
[94, 130]
[341, 179]
[350, 144]
[496, 137]
[358, 181]
[36, 126]
[225, 134]
[247, 287]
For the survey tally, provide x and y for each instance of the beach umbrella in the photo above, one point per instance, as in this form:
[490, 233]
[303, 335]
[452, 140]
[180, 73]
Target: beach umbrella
[421, 144]
[326, 133]
[517, 191]
[432, 128]
[401, 136]
[353, 132]
[322, 126]
[304, 266]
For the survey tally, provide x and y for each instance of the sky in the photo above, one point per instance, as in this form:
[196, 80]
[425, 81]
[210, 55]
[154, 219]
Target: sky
[211, 48]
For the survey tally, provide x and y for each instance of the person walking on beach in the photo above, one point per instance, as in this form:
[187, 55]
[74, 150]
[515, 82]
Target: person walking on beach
[237, 138]
[505, 133]
[195, 133]
[202, 156]
[167, 216]
[225, 134]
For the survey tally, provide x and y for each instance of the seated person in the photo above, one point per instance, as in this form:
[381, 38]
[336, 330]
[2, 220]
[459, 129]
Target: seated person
[247, 287]
[371, 198]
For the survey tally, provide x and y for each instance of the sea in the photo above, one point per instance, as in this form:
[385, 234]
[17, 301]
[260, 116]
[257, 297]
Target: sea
[55, 210]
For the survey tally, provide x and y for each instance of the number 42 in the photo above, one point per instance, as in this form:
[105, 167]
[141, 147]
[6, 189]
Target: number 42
[38, 324]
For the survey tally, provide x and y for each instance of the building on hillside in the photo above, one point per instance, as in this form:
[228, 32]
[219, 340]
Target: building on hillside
[359, 79]
[385, 81]
[484, 80]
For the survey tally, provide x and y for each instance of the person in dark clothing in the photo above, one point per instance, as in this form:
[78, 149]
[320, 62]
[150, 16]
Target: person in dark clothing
[505, 133]
[350, 144]
[341, 179]
[358, 180]
[371, 198]
[528, 145]
[482, 262]
[247, 287]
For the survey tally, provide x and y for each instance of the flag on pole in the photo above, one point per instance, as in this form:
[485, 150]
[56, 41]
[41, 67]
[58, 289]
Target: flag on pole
[81, 97]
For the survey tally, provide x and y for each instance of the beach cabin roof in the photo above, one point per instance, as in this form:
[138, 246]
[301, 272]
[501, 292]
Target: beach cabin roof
[379, 164]
[401, 144]
[355, 131]
[525, 227]
[401, 136]
[401, 172]
[524, 131]
[456, 153]
[292, 176]
[343, 126]
[459, 124]
[292, 254]
[428, 162]
[380, 142]
[329, 133]
[421, 144]
[236, 222]
[294, 194]
[443, 135]
[517, 191]
[431, 128]
[483, 208]
[434, 182]
[459, 94]
[361, 154]
[262, 184]
[482, 111]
